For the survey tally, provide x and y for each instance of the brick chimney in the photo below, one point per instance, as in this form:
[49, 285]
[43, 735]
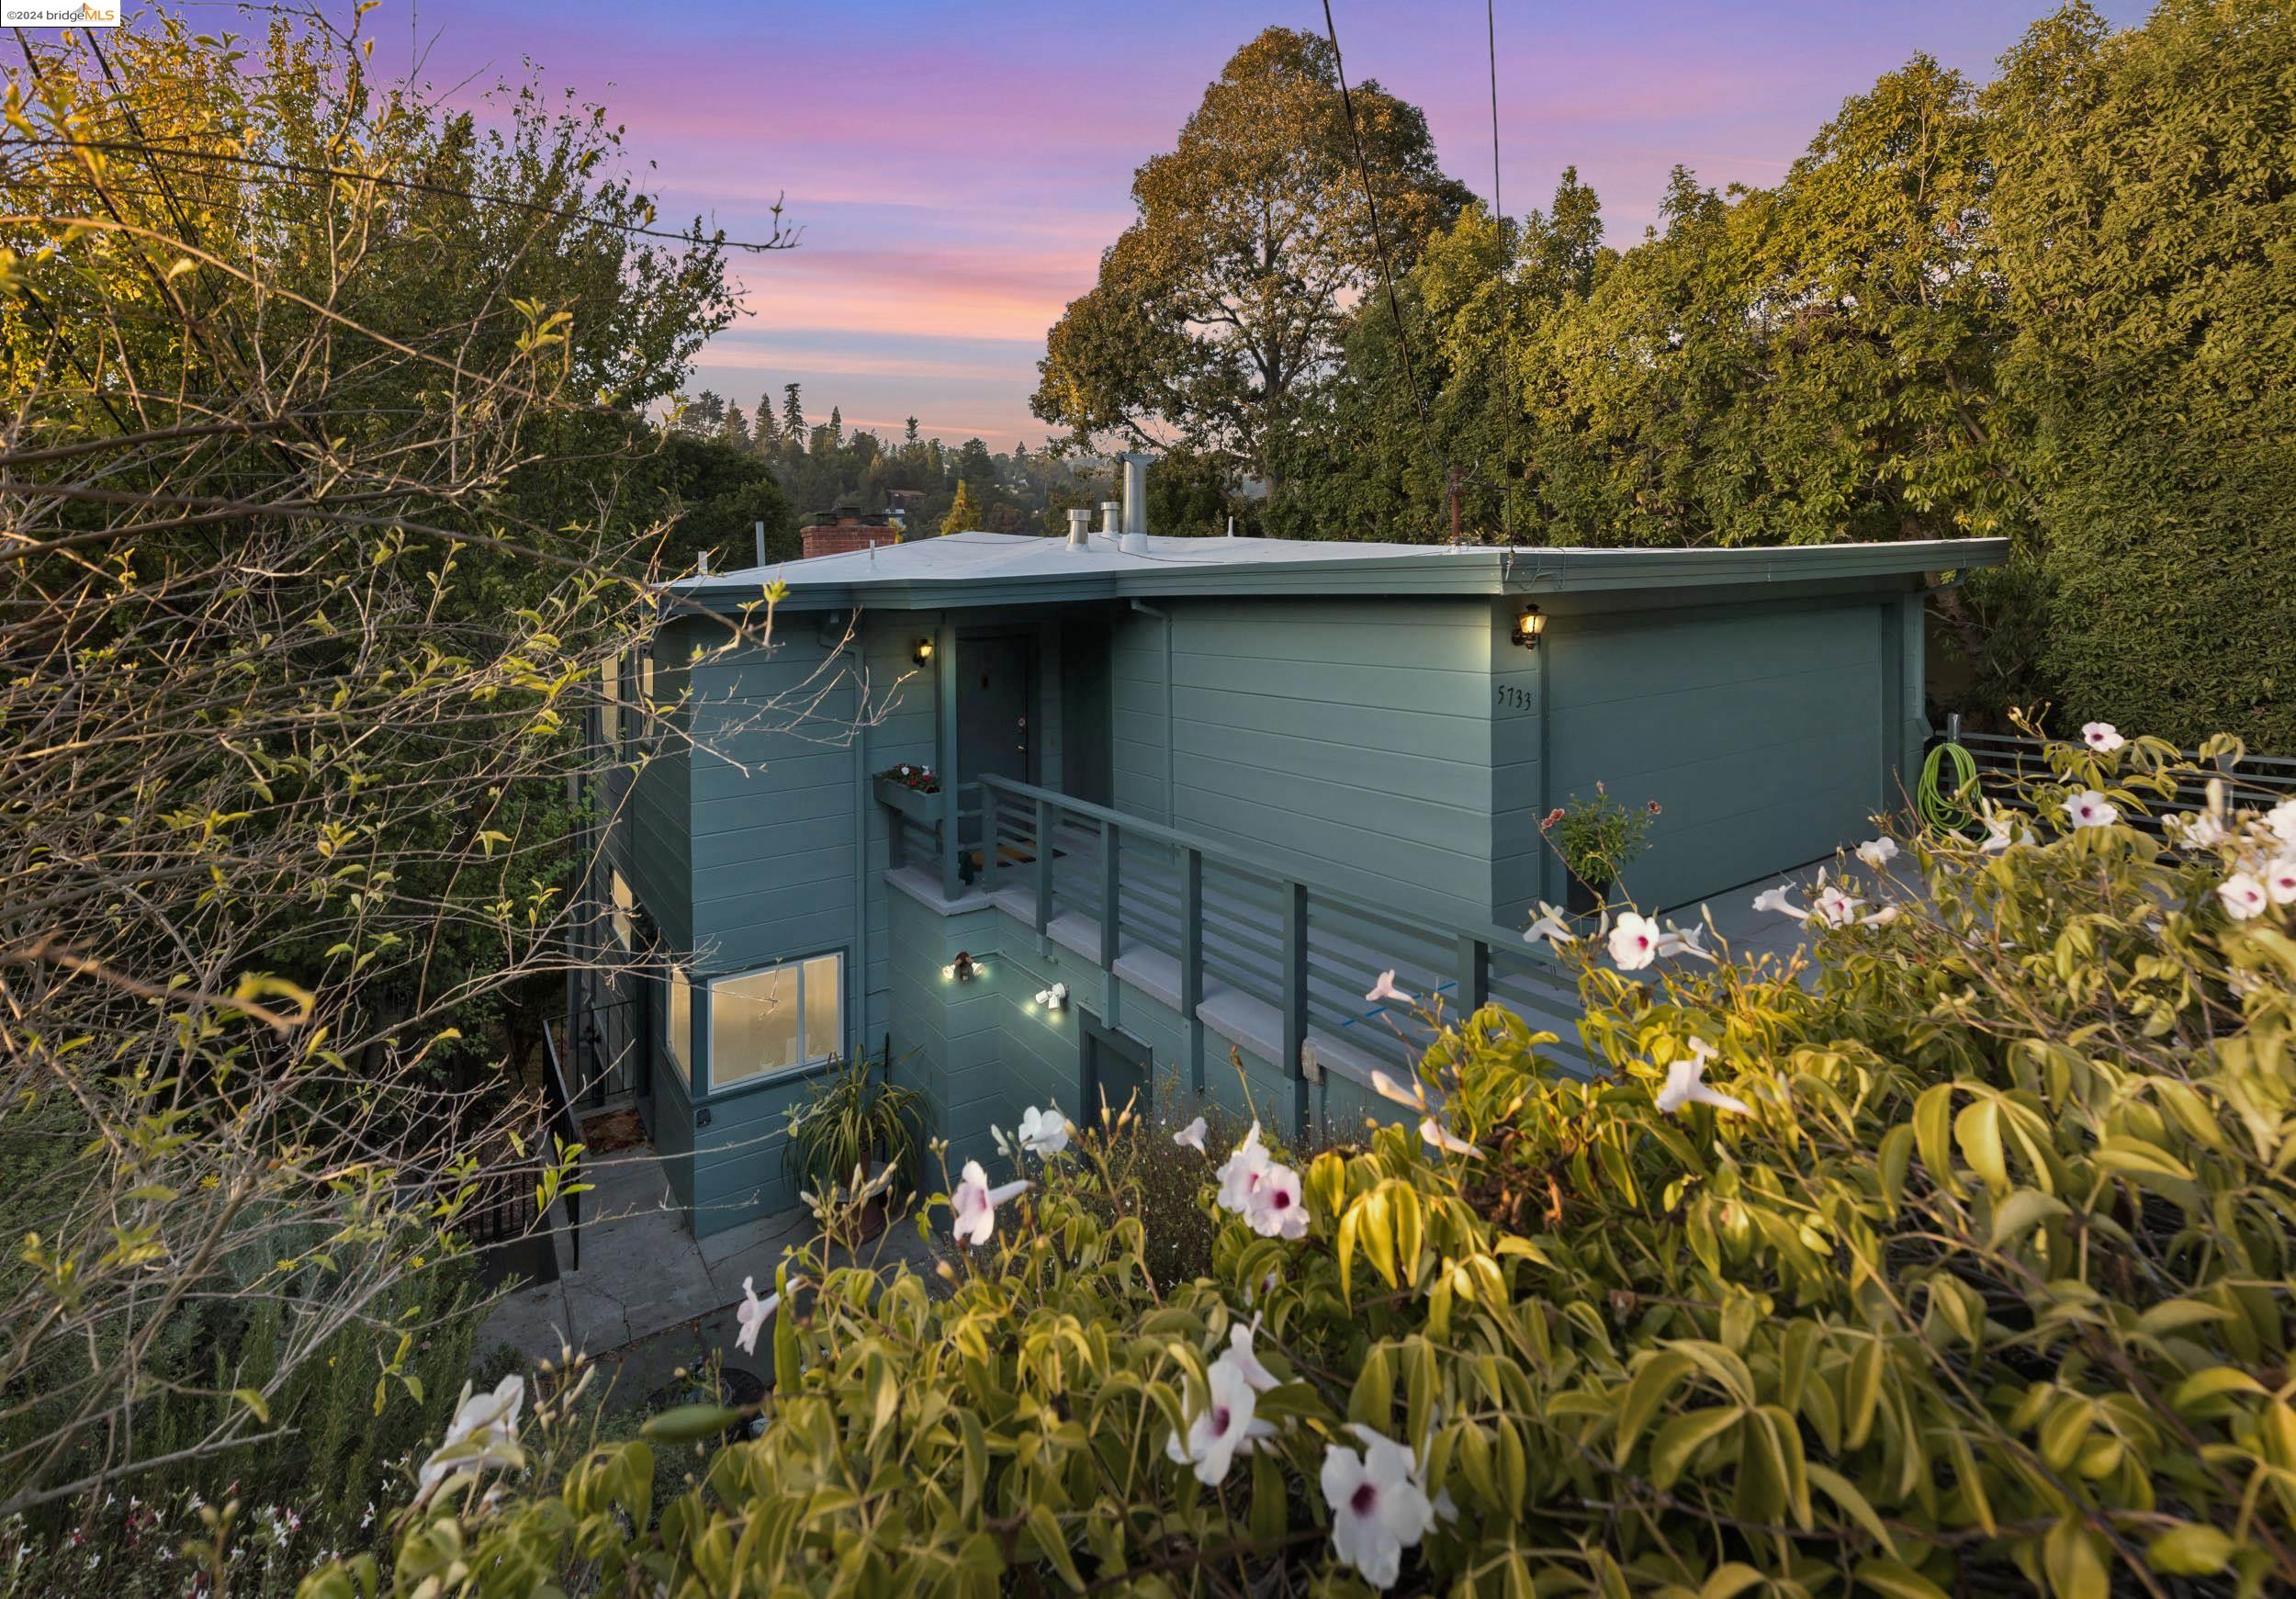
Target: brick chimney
[835, 535]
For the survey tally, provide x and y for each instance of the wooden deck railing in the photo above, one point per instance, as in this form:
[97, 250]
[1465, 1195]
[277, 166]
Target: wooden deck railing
[1232, 928]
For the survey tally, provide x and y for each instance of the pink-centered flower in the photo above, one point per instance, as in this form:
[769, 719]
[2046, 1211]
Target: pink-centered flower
[1775, 899]
[1278, 1205]
[2280, 880]
[2242, 896]
[1223, 1426]
[1633, 943]
[1878, 852]
[976, 1203]
[1247, 1359]
[1384, 990]
[2090, 809]
[1378, 1508]
[2003, 829]
[2101, 736]
[1240, 1173]
[1192, 1135]
[1551, 928]
[1044, 1133]
[1388, 1088]
[1834, 907]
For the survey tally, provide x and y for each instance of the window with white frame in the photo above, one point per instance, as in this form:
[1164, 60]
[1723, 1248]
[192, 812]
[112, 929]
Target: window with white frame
[678, 1023]
[785, 1018]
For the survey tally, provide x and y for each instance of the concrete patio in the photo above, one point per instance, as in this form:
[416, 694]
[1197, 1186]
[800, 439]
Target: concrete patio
[650, 1297]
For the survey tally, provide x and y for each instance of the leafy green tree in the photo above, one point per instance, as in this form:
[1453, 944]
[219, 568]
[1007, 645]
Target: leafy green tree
[1219, 313]
[2141, 218]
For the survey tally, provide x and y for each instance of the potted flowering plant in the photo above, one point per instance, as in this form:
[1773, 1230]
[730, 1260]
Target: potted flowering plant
[1598, 839]
[912, 789]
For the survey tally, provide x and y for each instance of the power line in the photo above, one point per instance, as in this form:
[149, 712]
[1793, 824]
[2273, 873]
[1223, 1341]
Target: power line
[1506, 353]
[1379, 238]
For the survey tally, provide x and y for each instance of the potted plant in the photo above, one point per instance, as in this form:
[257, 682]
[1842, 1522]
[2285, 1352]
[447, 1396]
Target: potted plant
[1598, 839]
[911, 789]
[853, 1127]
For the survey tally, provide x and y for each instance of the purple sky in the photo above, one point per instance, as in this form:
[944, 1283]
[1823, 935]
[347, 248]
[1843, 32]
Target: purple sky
[957, 168]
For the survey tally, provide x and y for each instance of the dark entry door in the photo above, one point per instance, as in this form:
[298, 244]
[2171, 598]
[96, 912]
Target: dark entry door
[994, 737]
[1115, 1070]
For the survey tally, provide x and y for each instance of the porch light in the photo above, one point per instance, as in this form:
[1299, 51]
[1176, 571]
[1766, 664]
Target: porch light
[923, 653]
[1055, 999]
[1529, 623]
[963, 969]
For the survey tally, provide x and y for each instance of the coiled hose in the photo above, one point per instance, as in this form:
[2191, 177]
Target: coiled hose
[1948, 808]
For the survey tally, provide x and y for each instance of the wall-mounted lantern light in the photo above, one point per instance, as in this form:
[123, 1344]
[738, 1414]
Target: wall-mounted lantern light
[963, 969]
[923, 652]
[1529, 625]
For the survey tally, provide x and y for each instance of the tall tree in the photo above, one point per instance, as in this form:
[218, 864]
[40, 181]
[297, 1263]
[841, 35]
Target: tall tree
[964, 511]
[1220, 312]
[792, 416]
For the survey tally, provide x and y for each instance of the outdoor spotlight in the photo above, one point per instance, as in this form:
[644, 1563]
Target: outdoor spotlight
[923, 653]
[1054, 997]
[1529, 625]
[962, 969]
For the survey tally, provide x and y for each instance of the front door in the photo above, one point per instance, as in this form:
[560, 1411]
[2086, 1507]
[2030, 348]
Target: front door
[995, 691]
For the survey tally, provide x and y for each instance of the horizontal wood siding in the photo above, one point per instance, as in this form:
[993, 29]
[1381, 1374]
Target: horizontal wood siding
[1349, 738]
[902, 726]
[772, 808]
[1763, 732]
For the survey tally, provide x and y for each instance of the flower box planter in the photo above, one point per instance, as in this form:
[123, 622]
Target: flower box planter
[918, 804]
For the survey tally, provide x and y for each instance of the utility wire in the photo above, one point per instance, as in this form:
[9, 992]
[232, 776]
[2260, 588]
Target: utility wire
[1379, 238]
[1506, 354]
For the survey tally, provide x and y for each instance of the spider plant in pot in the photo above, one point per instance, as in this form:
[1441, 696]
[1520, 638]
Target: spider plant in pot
[855, 1122]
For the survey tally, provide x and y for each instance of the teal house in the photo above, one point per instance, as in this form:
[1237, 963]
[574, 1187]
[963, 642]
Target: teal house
[1173, 804]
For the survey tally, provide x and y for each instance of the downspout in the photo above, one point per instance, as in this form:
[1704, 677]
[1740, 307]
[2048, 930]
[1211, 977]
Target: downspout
[1171, 747]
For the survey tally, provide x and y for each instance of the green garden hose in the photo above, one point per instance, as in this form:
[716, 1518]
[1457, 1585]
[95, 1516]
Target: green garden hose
[1948, 810]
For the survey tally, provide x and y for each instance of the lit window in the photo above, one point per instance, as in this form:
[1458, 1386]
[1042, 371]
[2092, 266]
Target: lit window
[610, 702]
[776, 1020]
[646, 675]
[624, 904]
[678, 1028]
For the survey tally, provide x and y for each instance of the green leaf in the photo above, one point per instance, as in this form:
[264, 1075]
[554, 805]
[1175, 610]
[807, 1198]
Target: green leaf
[1653, 1381]
[2021, 1212]
[1979, 1131]
[1895, 1580]
[1681, 1438]
[2073, 1562]
[2190, 1550]
[254, 1400]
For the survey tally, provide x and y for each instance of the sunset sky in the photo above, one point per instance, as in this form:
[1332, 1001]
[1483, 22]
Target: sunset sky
[957, 168]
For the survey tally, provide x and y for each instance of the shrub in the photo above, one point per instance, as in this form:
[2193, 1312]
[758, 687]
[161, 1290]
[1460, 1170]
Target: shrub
[1967, 1273]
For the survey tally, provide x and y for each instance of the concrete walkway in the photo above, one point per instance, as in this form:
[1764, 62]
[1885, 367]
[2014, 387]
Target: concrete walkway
[1750, 932]
[650, 1297]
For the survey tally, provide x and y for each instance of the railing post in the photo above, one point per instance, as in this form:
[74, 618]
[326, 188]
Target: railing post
[1044, 865]
[1293, 1002]
[1108, 896]
[1474, 975]
[988, 839]
[1192, 961]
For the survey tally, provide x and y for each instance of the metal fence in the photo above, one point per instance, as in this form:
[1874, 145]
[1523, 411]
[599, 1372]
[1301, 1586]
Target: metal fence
[2006, 761]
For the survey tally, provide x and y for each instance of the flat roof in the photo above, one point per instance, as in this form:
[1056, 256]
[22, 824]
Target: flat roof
[980, 569]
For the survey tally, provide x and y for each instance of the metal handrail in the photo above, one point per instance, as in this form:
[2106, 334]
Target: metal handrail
[1473, 944]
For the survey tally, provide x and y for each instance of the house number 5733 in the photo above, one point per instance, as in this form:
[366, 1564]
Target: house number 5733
[1510, 698]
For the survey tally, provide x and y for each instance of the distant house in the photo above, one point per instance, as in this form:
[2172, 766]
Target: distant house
[1191, 795]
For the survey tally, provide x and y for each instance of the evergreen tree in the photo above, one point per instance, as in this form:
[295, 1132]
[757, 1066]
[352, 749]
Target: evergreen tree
[792, 416]
[964, 511]
[836, 428]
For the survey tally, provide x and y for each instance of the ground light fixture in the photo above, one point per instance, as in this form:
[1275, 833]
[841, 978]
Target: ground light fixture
[963, 969]
[1529, 623]
[922, 652]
